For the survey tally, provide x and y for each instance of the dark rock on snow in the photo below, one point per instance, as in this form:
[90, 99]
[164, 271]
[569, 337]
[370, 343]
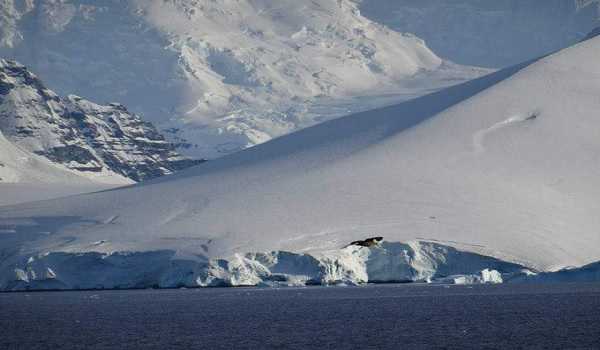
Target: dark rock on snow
[369, 242]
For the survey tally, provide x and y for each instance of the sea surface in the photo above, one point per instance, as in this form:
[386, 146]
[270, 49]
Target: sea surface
[562, 316]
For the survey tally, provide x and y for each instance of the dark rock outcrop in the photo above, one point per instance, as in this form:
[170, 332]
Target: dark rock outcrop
[369, 242]
[79, 134]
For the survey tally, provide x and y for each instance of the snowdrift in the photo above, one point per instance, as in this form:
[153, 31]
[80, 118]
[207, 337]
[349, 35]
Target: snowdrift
[492, 180]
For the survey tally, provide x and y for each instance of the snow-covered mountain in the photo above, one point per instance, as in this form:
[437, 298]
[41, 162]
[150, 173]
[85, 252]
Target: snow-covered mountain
[46, 136]
[496, 179]
[223, 75]
[490, 33]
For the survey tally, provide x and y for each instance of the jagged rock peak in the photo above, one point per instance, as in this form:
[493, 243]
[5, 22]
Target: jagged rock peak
[78, 134]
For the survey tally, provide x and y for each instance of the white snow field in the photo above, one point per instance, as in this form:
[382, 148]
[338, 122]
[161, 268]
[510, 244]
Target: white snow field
[493, 180]
[221, 76]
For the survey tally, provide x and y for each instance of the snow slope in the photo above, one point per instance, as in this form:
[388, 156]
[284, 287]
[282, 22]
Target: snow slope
[488, 181]
[487, 33]
[221, 75]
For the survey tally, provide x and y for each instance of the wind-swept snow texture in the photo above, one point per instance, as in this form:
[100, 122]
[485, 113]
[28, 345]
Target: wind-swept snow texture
[223, 75]
[505, 167]
[495, 33]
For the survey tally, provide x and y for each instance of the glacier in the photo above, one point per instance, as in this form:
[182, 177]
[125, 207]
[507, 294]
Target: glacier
[385, 263]
[389, 262]
[491, 180]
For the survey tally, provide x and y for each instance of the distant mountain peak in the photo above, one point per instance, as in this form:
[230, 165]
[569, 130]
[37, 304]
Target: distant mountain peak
[78, 134]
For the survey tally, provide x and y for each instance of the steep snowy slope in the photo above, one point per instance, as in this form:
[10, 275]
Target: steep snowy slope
[488, 33]
[481, 180]
[105, 143]
[221, 75]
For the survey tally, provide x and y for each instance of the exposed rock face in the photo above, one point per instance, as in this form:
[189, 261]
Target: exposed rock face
[79, 134]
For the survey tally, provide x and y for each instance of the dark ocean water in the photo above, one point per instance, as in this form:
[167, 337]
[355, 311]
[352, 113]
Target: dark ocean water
[565, 316]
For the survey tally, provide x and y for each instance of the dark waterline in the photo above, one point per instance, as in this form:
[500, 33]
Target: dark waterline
[562, 316]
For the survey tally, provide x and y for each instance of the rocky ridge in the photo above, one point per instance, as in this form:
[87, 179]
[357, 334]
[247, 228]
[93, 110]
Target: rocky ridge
[80, 135]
